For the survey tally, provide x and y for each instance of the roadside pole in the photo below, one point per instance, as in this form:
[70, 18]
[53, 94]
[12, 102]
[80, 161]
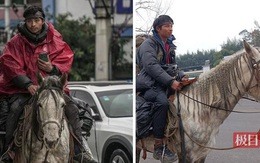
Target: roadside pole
[7, 19]
[103, 37]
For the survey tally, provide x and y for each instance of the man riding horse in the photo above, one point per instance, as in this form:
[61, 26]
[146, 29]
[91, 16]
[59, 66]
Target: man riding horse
[158, 69]
[37, 47]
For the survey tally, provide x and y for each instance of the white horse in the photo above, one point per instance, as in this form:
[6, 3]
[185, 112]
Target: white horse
[45, 135]
[221, 87]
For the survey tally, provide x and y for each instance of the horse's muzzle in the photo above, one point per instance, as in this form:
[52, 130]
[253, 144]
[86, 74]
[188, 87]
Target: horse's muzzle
[51, 135]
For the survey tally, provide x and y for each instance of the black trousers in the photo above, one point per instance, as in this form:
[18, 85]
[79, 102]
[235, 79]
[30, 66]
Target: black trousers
[16, 105]
[158, 96]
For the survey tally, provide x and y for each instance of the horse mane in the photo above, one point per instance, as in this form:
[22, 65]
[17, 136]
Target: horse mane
[228, 72]
[50, 83]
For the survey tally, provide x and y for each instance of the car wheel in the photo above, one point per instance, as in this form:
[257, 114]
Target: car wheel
[119, 156]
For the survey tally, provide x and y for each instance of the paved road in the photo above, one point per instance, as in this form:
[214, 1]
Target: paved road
[236, 122]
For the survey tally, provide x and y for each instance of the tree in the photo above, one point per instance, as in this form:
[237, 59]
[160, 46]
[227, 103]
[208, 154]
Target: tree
[147, 11]
[228, 48]
[253, 37]
[195, 59]
[122, 69]
[80, 36]
[199, 58]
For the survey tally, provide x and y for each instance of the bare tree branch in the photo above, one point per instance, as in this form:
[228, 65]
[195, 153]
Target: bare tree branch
[147, 11]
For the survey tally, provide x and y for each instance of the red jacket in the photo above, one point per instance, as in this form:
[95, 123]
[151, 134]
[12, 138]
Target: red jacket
[20, 58]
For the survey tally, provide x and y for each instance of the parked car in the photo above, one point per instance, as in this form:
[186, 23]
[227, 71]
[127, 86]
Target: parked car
[111, 138]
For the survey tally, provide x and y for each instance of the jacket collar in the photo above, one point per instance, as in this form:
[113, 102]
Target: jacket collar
[169, 40]
[33, 38]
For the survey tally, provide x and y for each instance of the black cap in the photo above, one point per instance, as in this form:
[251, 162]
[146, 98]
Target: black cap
[162, 19]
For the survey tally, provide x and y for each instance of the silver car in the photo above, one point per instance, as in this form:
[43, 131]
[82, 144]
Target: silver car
[111, 139]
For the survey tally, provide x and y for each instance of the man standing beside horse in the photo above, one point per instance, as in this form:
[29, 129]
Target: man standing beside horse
[157, 62]
[37, 47]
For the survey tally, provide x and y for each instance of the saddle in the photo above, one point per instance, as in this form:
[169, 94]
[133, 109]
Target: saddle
[172, 132]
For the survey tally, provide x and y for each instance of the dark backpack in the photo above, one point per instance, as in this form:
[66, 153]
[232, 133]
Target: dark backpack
[139, 40]
[4, 109]
[84, 115]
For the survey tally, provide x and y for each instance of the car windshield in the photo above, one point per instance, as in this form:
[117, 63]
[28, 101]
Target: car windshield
[117, 103]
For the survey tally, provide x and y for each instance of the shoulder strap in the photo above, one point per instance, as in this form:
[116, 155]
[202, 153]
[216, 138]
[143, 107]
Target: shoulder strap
[138, 57]
[159, 51]
[138, 60]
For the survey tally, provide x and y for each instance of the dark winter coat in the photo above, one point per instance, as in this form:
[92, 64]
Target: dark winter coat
[152, 55]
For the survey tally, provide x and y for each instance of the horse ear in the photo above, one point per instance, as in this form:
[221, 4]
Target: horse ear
[39, 78]
[253, 52]
[63, 78]
[247, 46]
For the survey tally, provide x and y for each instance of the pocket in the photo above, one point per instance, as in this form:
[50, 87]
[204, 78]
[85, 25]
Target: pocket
[150, 94]
[144, 81]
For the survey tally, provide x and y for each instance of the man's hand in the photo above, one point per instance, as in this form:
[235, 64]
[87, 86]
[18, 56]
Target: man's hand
[45, 66]
[32, 89]
[185, 78]
[176, 85]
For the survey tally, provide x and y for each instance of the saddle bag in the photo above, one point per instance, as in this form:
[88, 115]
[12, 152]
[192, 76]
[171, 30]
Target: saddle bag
[84, 115]
[144, 117]
[4, 109]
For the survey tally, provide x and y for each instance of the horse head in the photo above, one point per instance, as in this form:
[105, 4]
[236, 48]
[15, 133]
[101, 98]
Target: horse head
[254, 89]
[50, 109]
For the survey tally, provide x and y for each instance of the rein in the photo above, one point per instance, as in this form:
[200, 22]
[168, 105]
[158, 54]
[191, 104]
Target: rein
[250, 99]
[183, 149]
[218, 108]
[256, 67]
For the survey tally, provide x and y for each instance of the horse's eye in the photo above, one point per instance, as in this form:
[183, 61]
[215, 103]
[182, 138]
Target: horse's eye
[63, 105]
[40, 105]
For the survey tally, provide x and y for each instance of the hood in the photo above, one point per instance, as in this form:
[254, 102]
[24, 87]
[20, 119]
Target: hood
[33, 38]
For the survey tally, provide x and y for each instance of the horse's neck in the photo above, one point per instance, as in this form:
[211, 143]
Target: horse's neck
[220, 88]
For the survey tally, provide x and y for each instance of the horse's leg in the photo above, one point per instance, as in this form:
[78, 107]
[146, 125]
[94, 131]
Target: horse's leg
[138, 152]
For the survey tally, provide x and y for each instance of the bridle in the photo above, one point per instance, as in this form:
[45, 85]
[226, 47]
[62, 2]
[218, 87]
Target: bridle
[41, 123]
[256, 67]
[256, 74]
[60, 124]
